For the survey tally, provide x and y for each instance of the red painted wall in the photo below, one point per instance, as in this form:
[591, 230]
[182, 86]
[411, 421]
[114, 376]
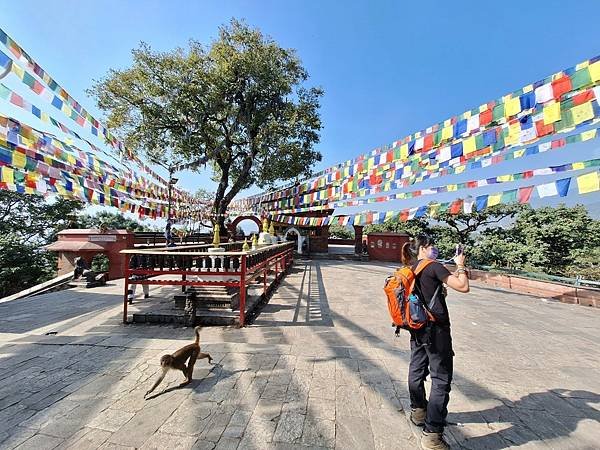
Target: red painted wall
[386, 246]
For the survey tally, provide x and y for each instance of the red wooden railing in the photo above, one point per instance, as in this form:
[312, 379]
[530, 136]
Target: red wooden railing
[151, 266]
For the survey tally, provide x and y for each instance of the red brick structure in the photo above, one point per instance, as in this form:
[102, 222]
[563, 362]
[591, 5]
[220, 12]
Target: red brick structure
[386, 246]
[87, 243]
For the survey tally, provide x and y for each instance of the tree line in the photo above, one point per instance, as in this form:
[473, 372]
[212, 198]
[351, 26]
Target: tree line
[562, 241]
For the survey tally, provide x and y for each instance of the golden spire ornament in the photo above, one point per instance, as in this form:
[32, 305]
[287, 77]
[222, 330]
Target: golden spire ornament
[246, 246]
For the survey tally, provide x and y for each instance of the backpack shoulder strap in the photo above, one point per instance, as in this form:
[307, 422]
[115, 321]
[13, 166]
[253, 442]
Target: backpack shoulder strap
[422, 264]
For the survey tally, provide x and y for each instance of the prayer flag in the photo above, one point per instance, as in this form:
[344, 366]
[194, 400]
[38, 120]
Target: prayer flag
[543, 94]
[551, 113]
[582, 113]
[588, 183]
[524, 194]
[512, 107]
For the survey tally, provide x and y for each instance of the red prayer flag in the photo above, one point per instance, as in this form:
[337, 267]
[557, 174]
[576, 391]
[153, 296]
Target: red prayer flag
[583, 97]
[428, 142]
[561, 86]
[456, 206]
[524, 194]
[403, 215]
[485, 117]
[543, 130]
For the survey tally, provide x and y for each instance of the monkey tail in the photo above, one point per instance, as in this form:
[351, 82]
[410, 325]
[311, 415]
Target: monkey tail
[197, 331]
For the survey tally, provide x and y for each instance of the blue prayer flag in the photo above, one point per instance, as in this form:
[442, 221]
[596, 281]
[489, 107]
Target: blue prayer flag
[460, 127]
[489, 137]
[562, 186]
[456, 150]
[481, 202]
[527, 100]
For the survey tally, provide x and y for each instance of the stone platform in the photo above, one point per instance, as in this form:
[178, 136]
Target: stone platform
[319, 368]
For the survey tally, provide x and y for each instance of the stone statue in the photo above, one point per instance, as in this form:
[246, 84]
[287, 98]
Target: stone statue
[92, 279]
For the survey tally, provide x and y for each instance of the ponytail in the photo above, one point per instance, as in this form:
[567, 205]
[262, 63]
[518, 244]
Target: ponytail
[407, 257]
[410, 250]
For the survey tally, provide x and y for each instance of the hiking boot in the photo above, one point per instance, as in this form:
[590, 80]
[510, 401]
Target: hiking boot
[417, 416]
[434, 441]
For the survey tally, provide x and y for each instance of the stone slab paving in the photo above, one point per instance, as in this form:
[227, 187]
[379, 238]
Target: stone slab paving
[319, 368]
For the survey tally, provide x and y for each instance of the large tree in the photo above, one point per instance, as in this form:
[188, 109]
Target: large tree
[241, 104]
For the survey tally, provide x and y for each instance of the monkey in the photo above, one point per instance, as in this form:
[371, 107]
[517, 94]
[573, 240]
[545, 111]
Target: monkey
[177, 360]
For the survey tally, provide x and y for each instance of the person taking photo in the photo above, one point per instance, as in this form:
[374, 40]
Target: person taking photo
[431, 346]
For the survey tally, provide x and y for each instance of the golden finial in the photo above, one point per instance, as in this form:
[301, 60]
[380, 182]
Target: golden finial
[265, 225]
[272, 230]
[255, 241]
[246, 246]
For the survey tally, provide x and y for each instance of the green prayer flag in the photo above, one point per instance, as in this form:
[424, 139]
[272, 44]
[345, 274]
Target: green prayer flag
[581, 78]
[509, 196]
[498, 112]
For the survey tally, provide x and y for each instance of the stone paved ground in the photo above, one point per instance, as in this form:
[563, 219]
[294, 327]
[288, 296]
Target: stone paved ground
[320, 368]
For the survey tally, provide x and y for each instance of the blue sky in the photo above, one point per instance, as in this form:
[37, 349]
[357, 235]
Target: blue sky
[388, 68]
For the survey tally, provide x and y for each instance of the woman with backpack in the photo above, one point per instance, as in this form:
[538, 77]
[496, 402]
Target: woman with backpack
[431, 346]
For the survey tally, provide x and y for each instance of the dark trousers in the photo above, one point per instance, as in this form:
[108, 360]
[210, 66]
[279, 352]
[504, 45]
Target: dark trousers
[431, 353]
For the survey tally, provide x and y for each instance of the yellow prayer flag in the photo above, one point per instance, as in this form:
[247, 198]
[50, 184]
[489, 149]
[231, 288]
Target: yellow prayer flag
[404, 151]
[18, 71]
[519, 153]
[552, 113]
[587, 135]
[590, 182]
[514, 133]
[447, 132]
[469, 145]
[582, 65]
[370, 163]
[467, 114]
[483, 108]
[19, 159]
[528, 88]
[504, 178]
[459, 169]
[582, 112]
[578, 165]
[447, 123]
[494, 199]
[594, 71]
[512, 107]
[8, 175]
[452, 187]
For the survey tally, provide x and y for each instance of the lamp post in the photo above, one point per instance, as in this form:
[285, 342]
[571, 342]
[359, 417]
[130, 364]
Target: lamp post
[172, 182]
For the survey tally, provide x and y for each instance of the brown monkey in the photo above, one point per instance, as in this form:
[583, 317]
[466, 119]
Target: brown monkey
[177, 360]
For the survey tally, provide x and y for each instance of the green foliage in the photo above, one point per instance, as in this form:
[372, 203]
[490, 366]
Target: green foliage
[340, 231]
[27, 223]
[110, 221]
[558, 241]
[100, 263]
[411, 227]
[240, 103]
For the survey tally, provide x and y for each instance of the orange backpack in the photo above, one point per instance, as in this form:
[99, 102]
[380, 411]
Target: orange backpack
[407, 308]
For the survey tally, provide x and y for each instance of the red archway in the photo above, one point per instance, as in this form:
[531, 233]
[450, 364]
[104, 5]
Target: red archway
[233, 225]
